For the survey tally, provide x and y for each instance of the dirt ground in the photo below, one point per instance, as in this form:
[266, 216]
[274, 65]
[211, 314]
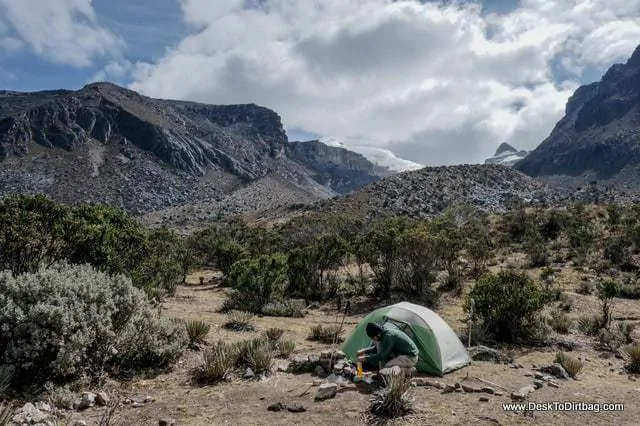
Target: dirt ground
[245, 402]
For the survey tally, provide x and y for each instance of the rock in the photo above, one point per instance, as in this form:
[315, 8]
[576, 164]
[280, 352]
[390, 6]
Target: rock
[29, 414]
[348, 371]
[469, 388]
[522, 393]
[102, 399]
[339, 366]
[538, 384]
[555, 370]
[339, 355]
[528, 375]
[498, 393]
[449, 389]
[127, 401]
[320, 371]
[488, 390]
[326, 391]
[166, 422]
[136, 404]
[313, 359]
[43, 406]
[484, 399]
[552, 384]
[249, 374]
[485, 353]
[79, 423]
[295, 408]
[149, 399]
[278, 406]
[317, 382]
[538, 375]
[88, 400]
[325, 355]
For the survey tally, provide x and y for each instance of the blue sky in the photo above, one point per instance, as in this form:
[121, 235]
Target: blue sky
[438, 81]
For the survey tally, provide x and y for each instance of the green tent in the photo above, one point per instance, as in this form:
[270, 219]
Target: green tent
[441, 351]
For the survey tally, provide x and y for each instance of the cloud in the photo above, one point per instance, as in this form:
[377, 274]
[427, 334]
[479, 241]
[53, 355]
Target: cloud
[436, 83]
[62, 31]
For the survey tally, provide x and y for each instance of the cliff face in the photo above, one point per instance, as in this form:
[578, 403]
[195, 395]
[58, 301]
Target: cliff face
[107, 144]
[598, 136]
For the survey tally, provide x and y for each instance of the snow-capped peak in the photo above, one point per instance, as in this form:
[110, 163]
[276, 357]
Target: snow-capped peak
[379, 156]
[506, 155]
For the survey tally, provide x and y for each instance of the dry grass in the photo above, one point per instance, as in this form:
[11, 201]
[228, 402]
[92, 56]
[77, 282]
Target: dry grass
[571, 365]
[394, 400]
[5, 378]
[326, 333]
[6, 412]
[633, 352]
[240, 321]
[197, 331]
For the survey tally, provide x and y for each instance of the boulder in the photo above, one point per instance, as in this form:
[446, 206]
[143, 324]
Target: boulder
[326, 391]
[485, 353]
[523, 393]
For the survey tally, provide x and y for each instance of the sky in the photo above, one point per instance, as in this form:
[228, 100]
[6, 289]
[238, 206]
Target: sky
[436, 82]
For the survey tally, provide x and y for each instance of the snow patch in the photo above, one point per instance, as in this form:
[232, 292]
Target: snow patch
[379, 156]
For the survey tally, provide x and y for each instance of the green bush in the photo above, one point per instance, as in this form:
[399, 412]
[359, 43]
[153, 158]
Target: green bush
[590, 324]
[69, 321]
[508, 304]
[259, 280]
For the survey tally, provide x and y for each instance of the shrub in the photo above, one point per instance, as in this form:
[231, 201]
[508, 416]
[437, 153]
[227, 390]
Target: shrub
[585, 287]
[629, 291]
[197, 331]
[285, 348]
[6, 413]
[259, 280]
[274, 334]
[633, 352]
[6, 376]
[590, 324]
[326, 334]
[218, 361]
[394, 400]
[285, 308]
[259, 355]
[68, 321]
[615, 250]
[240, 321]
[625, 330]
[607, 290]
[571, 365]
[507, 303]
[560, 322]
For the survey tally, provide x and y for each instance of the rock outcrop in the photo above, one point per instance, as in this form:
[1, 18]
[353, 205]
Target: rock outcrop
[597, 139]
[107, 144]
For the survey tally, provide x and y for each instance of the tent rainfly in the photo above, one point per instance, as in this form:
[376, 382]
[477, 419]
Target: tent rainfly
[441, 351]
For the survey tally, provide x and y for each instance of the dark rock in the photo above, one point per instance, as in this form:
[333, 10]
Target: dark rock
[296, 408]
[484, 353]
[278, 406]
[166, 422]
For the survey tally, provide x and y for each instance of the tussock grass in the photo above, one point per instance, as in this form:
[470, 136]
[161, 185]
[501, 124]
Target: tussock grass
[326, 334]
[240, 321]
[571, 365]
[197, 330]
[394, 400]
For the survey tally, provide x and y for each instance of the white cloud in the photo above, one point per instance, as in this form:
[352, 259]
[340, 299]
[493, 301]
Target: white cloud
[63, 31]
[435, 83]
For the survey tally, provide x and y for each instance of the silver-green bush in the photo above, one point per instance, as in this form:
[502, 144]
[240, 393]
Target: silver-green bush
[67, 321]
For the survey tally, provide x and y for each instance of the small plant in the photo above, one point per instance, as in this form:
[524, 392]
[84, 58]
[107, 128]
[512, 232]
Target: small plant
[260, 356]
[197, 331]
[287, 309]
[590, 324]
[274, 334]
[585, 288]
[326, 334]
[6, 413]
[60, 397]
[6, 376]
[607, 290]
[394, 400]
[218, 361]
[286, 348]
[571, 365]
[560, 321]
[240, 321]
[625, 330]
[633, 352]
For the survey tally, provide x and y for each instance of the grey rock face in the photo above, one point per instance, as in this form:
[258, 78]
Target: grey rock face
[597, 137]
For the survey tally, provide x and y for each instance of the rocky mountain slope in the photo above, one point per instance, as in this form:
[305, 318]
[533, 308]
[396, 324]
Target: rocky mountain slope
[506, 155]
[106, 144]
[598, 138]
[431, 190]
